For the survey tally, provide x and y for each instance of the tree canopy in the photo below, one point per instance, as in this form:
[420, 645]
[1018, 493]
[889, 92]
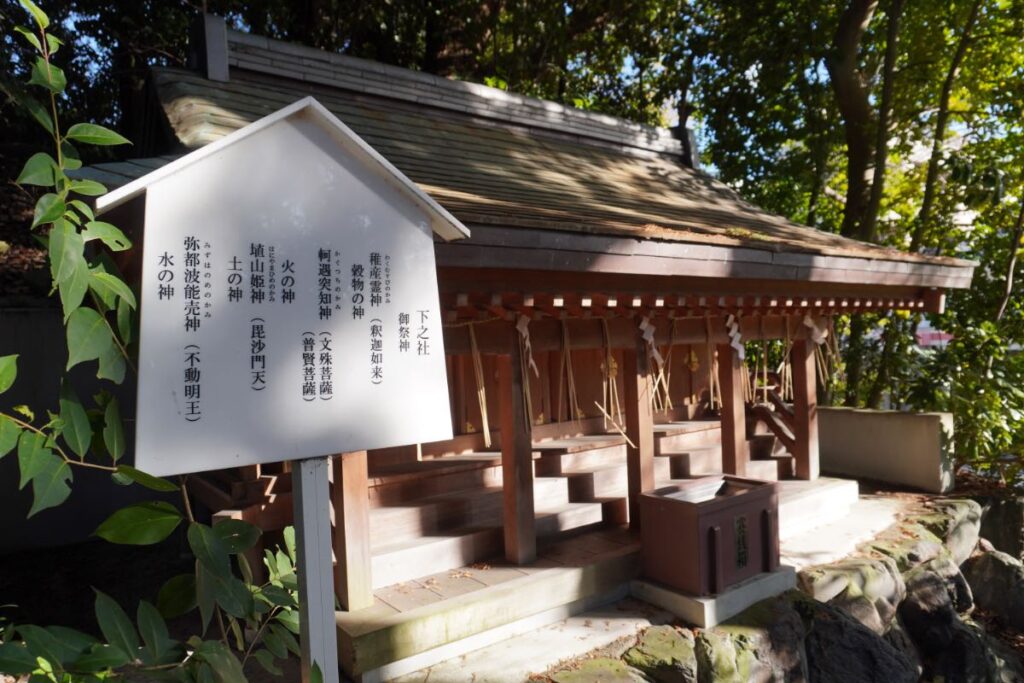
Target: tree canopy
[885, 120]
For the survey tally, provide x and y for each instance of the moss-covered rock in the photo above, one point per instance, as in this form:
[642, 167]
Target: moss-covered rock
[957, 521]
[997, 580]
[867, 588]
[840, 649]
[898, 637]
[928, 613]
[1002, 523]
[909, 545]
[599, 670]
[972, 655]
[726, 658]
[665, 654]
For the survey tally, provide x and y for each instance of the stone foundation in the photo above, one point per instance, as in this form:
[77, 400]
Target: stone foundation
[897, 610]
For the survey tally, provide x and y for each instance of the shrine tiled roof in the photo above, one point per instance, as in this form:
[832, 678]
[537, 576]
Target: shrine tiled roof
[496, 159]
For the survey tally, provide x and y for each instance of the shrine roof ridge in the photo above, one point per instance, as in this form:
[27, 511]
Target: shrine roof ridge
[443, 223]
[298, 62]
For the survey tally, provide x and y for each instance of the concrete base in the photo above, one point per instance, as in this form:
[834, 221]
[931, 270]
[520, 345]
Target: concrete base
[711, 611]
[913, 449]
[805, 505]
[611, 629]
[831, 542]
[424, 660]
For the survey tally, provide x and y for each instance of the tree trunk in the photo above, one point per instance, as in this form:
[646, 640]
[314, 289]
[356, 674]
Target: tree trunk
[854, 360]
[1011, 263]
[941, 121]
[851, 93]
[869, 227]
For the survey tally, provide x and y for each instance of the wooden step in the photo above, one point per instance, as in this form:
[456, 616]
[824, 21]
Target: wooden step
[554, 462]
[552, 521]
[765, 470]
[696, 462]
[762, 445]
[574, 444]
[786, 464]
[590, 483]
[410, 558]
[472, 603]
[466, 509]
[413, 481]
[682, 436]
[398, 561]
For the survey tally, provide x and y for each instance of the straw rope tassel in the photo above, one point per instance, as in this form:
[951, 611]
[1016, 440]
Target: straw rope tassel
[714, 388]
[574, 404]
[764, 357]
[527, 394]
[481, 391]
[561, 387]
[668, 362]
[764, 369]
[527, 364]
[609, 386]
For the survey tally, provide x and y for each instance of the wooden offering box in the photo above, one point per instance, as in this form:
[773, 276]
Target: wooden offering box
[702, 536]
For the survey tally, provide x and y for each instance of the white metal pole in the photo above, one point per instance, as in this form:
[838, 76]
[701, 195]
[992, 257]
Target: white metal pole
[318, 629]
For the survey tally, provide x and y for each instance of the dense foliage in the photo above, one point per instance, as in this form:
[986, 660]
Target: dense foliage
[253, 621]
[886, 120]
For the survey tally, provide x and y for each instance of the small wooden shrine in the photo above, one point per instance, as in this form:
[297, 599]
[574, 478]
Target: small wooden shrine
[618, 320]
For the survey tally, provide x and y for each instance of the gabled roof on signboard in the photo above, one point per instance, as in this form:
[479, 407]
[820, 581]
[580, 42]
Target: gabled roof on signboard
[499, 160]
[443, 223]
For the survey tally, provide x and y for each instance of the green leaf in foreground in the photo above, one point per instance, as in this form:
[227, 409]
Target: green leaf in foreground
[177, 596]
[8, 371]
[140, 524]
[115, 625]
[49, 208]
[31, 37]
[112, 365]
[38, 112]
[266, 660]
[39, 15]
[50, 487]
[38, 170]
[109, 234]
[124, 321]
[88, 336]
[232, 595]
[147, 480]
[15, 659]
[101, 658]
[156, 640]
[33, 456]
[226, 668]
[77, 430]
[48, 76]
[113, 430]
[88, 188]
[9, 433]
[108, 287]
[236, 535]
[66, 251]
[209, 549]
[74, 286]
[92, 134]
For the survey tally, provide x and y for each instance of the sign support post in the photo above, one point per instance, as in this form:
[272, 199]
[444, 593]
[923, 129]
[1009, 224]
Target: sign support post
[318, 631]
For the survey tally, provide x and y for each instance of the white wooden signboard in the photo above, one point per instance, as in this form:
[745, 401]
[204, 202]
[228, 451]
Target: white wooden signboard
[289, 301]
[289, 312]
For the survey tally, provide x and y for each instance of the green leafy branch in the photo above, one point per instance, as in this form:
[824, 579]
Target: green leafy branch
[66, 224]
[255, 621]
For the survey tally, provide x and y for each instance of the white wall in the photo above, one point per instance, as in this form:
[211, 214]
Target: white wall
[913, 449]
